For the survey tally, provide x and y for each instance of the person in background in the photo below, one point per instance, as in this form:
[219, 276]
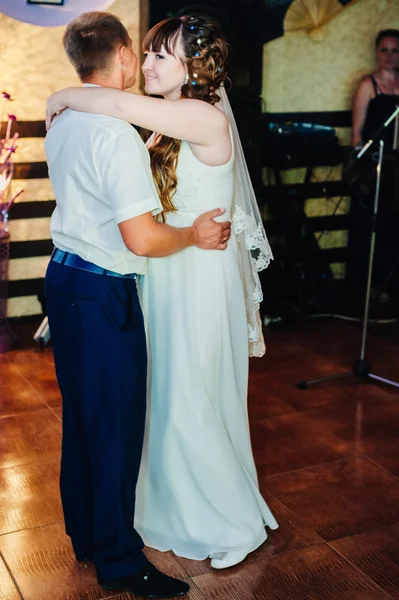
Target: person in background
[375, 100]
[378, 93]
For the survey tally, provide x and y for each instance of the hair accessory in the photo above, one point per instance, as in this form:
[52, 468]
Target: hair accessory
[192, 27]
[199, 41]
[195, 75]
[219, 69]
[193, 82]
[197, 54]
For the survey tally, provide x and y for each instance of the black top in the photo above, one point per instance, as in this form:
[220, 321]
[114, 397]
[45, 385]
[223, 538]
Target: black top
[379, 109]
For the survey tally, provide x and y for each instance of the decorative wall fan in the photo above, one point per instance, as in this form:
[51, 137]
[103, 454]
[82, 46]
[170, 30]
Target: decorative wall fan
[312, 17]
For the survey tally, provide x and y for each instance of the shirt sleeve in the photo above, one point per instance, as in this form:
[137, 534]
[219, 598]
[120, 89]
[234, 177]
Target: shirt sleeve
[127, 177]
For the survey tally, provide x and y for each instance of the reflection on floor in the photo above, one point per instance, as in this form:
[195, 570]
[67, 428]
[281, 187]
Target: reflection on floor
[328, 464]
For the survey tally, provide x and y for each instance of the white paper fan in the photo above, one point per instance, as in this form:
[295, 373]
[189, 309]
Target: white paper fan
[311, 16]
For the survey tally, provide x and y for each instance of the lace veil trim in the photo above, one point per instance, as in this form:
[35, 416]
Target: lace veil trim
[254, 253]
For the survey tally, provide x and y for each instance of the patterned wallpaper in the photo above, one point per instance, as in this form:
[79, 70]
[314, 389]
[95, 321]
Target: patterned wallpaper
[302, 75]
[34, 64]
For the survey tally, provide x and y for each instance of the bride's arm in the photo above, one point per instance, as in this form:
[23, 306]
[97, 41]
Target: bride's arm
[186, 119]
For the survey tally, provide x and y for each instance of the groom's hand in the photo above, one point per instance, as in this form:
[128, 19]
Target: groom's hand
[209, 234]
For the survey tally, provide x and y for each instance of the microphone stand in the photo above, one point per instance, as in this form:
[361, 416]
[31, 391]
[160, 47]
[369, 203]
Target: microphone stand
[361, 366]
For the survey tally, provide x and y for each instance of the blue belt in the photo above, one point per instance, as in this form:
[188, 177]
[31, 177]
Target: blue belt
[73, 260]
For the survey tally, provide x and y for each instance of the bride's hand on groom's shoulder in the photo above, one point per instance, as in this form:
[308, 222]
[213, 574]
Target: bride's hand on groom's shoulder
[210, 234]
[55, 106]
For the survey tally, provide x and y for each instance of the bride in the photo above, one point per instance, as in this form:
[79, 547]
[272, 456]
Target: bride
[198, 492]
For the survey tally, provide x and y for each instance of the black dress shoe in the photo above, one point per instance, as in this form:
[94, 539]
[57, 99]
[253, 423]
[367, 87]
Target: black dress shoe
[149, 583]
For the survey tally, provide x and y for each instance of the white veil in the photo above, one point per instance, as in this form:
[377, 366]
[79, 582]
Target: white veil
[254, 251]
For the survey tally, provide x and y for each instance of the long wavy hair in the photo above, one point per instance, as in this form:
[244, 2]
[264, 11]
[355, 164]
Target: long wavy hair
[206, 70]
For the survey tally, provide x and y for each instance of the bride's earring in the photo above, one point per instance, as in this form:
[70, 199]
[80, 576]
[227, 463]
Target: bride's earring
[186, 79]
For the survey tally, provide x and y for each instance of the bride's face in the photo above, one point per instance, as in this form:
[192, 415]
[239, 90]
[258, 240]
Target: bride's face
[164, 73]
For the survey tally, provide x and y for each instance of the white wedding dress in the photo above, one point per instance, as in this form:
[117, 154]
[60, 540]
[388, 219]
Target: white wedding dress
[198, 491]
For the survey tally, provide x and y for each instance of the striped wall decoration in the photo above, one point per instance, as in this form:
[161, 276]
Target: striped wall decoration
[31, 245]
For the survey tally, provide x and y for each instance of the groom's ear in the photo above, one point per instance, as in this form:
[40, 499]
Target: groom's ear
[121, 54]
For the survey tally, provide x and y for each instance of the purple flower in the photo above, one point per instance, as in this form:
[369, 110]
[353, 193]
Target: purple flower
[12, 117]
[6, 96]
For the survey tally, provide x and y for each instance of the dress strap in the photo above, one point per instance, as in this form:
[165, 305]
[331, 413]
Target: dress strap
[375, 85]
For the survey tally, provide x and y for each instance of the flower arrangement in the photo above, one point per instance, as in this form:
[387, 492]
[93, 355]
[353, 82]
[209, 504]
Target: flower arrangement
[7, 149]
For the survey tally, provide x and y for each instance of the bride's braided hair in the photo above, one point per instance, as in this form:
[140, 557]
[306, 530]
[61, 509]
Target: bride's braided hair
[205, 50]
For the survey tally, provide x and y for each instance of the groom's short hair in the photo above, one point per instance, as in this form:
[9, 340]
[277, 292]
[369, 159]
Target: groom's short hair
[91, 40]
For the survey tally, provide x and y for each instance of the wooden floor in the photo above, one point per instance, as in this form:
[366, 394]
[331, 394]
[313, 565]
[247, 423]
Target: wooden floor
[328, 463]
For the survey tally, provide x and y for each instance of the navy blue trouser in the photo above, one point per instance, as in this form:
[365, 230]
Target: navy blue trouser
[97, 329]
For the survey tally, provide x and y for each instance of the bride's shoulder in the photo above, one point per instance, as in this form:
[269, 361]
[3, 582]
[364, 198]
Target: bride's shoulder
[210, 114]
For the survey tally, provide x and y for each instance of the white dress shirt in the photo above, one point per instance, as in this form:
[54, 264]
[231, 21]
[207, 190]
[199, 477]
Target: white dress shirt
[101, 176]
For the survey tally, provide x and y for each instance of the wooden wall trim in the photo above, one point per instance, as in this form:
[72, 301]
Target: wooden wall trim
[338, 118]
[310, 224]
[44, 209]
[37, 209]
[28, 129]
[325, 189]
[25, 287]
[31, 248]
[30, 170]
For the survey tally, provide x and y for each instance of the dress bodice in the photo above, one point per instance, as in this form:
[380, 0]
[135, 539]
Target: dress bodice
[200, 188]
[379, 109]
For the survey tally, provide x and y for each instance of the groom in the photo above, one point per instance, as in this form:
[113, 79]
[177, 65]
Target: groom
[103, 230]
